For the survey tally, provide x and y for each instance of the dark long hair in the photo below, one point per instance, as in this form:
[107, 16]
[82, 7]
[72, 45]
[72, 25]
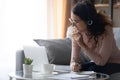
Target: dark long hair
[95, 21]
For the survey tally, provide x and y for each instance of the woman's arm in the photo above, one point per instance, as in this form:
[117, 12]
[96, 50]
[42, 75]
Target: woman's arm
[75, 57]
[75, 53]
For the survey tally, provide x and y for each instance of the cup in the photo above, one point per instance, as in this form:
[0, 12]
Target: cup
[47, 68]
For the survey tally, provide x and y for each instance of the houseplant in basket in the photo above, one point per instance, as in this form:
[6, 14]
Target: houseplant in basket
[27, 67]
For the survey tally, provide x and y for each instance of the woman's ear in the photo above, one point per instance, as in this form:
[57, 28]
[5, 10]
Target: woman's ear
[89, 22]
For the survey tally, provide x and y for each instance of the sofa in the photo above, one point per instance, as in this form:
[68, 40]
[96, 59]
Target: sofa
[59, 52]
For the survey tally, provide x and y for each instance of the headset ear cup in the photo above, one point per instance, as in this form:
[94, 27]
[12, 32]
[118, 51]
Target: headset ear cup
[89, 22]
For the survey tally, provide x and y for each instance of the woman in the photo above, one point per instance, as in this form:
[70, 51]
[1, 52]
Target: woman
[92, 32]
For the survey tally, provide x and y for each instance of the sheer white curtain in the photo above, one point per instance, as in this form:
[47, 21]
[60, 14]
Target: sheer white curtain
[58, 15]
[20, 22]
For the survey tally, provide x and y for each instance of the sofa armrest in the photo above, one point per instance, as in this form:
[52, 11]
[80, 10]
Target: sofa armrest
[116, 32]
[19, 60]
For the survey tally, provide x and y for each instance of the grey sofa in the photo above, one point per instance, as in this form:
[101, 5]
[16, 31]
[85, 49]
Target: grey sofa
[58, 51]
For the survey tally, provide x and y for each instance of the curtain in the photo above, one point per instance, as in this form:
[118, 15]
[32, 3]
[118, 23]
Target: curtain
[21, 21]
[57, 17]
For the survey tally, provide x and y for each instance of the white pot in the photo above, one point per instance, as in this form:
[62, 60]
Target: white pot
[27, 69]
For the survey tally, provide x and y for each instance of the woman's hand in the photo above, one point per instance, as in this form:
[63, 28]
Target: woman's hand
[77, 36]
[74, 33]
[75, 67]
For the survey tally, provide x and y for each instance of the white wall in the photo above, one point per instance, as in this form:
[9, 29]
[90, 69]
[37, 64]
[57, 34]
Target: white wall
[20, 22]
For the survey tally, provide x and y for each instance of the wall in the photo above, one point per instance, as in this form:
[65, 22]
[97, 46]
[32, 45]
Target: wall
[116, 12]
[116, 17]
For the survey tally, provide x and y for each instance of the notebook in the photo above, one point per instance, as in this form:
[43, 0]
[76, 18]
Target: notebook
[38, 54]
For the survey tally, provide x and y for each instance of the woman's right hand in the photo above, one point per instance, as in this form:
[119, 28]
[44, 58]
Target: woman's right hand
[75, 67]
[73, 32]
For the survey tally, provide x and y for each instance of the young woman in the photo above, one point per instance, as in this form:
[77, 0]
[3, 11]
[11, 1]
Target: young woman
[92, 32]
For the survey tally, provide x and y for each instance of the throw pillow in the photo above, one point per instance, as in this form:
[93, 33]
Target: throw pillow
[58, 50]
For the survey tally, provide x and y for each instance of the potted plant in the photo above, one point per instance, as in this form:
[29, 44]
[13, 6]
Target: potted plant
[27, 67]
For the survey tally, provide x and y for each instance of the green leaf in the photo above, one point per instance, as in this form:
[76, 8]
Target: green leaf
[28, 61]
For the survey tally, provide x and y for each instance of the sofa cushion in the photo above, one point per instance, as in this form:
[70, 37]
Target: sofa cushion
[58, 50]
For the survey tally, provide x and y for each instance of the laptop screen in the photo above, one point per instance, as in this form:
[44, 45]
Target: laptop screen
[38, 54]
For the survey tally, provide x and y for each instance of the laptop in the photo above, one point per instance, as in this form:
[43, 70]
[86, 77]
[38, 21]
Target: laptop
[38, 54]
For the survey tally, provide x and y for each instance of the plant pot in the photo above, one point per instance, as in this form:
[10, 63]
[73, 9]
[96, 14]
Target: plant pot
[27, 69]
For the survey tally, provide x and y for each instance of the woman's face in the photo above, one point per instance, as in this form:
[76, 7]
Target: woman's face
[78, 23]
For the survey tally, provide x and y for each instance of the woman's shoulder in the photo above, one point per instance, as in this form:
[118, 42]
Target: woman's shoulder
[108, 32]
[108, 27]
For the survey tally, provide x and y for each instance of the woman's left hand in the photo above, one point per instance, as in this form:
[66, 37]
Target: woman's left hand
[77, 36]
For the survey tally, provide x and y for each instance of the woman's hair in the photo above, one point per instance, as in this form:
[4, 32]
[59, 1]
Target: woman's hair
[95, 21]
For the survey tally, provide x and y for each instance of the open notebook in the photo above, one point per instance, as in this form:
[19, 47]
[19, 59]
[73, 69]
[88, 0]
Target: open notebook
[38, 54]
[73, 76]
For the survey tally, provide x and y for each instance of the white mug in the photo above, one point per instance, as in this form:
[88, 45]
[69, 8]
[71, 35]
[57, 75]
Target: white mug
[47, 68]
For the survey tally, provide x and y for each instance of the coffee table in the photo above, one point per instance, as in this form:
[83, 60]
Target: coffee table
[36, 76]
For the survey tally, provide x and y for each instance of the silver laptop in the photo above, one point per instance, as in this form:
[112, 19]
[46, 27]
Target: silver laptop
[38, 54]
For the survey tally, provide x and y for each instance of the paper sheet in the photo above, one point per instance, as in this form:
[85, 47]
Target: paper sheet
[70, 76]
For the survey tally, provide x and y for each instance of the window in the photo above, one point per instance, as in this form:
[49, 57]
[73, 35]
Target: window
[20, 22]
